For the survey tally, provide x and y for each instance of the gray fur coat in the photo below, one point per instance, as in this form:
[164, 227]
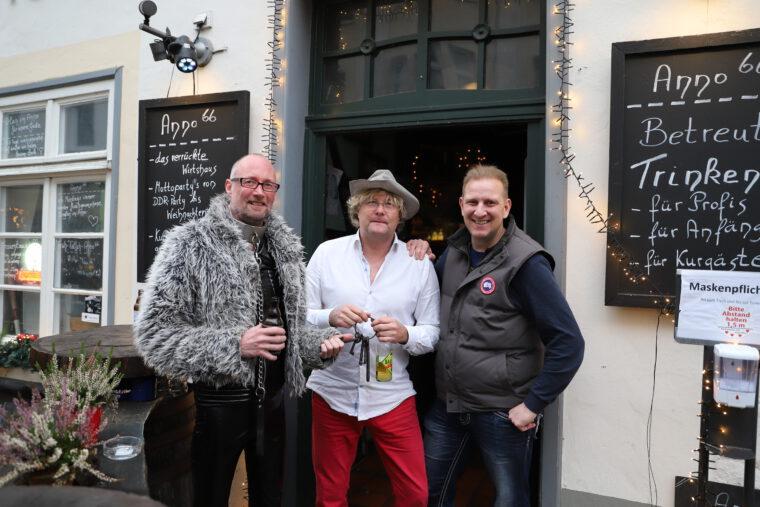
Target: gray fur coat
[201, 297]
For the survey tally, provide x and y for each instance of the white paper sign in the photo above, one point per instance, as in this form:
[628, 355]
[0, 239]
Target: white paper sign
[719, 307]
[91, 317]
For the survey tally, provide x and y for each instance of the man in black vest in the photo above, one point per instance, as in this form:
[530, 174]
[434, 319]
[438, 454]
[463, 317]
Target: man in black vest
[509, 345]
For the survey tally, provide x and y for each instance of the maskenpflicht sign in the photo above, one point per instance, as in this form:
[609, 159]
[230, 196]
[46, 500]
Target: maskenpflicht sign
[718, 307]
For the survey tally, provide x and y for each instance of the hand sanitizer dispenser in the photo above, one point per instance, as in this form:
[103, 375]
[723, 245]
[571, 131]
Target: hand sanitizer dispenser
[735, 375]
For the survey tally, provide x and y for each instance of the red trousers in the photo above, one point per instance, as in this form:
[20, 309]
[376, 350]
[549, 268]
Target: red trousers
[398, 440]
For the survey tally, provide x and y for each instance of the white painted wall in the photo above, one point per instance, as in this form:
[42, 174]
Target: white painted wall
[37, 25]
[606, 406]
[43, 39]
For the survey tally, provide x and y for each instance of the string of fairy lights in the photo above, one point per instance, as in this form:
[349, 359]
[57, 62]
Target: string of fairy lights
[274, 64]
[631, 268]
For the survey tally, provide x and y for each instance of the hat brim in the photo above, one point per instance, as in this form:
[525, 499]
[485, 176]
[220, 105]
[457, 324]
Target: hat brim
[411, 204]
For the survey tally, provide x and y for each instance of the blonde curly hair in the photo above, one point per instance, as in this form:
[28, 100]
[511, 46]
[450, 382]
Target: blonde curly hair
[356, 201]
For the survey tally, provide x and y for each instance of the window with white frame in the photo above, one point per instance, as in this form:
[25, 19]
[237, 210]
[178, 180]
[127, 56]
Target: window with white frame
[55, 182]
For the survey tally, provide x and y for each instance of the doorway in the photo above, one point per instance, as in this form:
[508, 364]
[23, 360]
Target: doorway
[431, 163]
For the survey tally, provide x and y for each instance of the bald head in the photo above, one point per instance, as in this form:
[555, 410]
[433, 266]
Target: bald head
[254, 160]
[251, 205]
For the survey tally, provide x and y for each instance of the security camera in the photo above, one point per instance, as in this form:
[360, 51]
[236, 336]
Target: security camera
[185, 53]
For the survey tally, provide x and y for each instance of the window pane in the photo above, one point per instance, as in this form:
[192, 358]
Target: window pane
[79, 263]
[345, 26]
[21, 312]
[24, 134]
[395, 18]
[452, 65]
[80, 207]
[513, 63]
[22, 207]
[83, 126]
[395, 70]
[22, 261]
[344, 80]
[513, 13]
[77, 313]
[453, 15]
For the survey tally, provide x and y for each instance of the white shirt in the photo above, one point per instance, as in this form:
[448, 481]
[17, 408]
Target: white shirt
[404, 288]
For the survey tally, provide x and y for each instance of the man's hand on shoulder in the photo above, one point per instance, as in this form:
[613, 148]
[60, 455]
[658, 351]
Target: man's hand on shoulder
[261, 341]
[347, 316]
[522, 417]
[331, 347]
[419, 249]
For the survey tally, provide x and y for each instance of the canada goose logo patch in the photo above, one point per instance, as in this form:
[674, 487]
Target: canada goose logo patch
[487, 285]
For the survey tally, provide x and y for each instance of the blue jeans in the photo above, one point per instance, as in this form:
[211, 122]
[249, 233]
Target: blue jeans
[506, 453]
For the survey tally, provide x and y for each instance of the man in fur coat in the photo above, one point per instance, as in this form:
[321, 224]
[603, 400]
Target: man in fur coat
[211, 286]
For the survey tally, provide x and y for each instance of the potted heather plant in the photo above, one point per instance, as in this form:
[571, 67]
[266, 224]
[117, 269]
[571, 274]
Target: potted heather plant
[50, 439]
[93, 378]
[56, 436]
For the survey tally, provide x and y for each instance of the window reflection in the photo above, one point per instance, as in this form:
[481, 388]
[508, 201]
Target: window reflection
[22, 261]
[513, 63]
[345, 26]
[20, 313]
[513, 13]
[395, 18]
[453, 65]
[453, 15]
[344, 80]
[23, 134]
[395, 70]
[83, 126]
[22, 208]
[77, 312]
[79, 263]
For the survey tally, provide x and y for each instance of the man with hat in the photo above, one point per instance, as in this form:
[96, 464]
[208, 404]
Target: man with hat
[368, 283]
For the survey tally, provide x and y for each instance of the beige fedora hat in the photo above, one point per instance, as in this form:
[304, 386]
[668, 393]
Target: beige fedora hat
[383, 179]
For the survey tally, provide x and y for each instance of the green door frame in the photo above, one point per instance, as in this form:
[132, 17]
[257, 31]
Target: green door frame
[422, 108]
[313, 225]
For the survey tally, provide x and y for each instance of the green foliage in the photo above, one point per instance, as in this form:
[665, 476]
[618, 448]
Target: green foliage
[15, 353]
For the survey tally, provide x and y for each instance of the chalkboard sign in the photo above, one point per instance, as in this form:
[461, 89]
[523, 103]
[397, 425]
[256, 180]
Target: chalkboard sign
[80, 207]
[24, 134]
[187, 147]
[684, 160]
[80, 264]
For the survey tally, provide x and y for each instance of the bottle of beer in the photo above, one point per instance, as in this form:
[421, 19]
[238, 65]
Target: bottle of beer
[272, 316]
[136, 308]
[384, 362]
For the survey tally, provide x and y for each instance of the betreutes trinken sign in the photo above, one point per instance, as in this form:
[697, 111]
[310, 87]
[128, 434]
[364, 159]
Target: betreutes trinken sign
[719, 307]
[684, 161]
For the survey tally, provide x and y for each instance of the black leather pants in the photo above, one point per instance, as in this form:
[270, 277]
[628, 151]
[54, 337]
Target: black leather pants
[225, 425]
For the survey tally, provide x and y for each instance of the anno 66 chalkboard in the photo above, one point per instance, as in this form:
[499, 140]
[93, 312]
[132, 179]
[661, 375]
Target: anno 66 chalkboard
[684, 161]
[187, 147]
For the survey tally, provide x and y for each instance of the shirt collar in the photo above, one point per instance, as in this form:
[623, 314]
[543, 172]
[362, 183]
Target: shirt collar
[357, 242]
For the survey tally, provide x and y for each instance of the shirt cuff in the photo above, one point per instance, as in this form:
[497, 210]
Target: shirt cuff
[319, 318]
[411, 343]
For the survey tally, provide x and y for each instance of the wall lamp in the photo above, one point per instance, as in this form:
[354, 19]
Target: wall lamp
[185, 53]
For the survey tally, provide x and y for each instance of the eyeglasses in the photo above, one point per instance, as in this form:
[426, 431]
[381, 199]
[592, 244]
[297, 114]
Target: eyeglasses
[373, 205]
[266, 186]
